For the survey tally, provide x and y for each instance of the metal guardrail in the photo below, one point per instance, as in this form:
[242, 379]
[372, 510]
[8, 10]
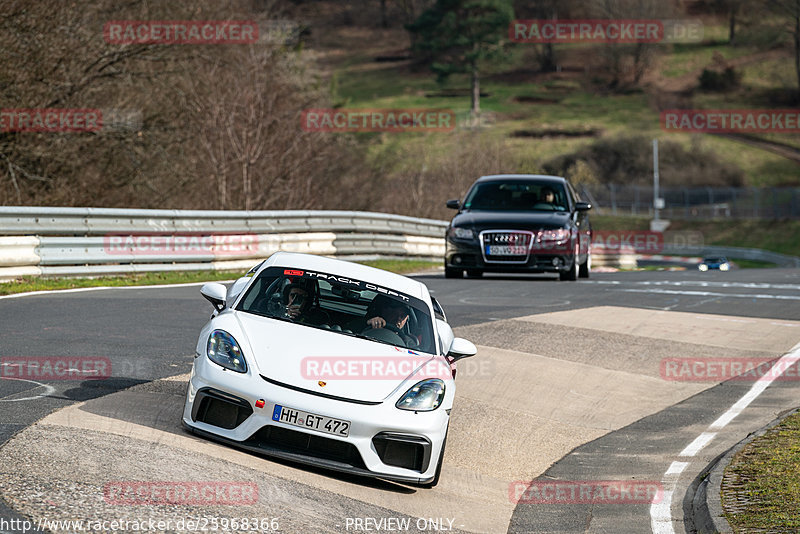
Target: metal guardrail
[99, 241]
[102, 241]
[104, 221]
[755, 254]
[698, 202]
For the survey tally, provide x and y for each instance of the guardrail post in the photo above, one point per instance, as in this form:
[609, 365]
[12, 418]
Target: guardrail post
[613, 190]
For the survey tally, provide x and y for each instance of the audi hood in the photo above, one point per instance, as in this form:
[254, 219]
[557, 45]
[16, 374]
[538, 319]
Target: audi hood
[511, 220]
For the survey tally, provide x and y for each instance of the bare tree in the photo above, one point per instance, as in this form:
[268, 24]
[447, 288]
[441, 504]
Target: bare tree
[789, 13]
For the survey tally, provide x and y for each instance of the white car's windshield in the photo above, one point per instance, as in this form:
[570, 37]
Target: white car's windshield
[341, 304]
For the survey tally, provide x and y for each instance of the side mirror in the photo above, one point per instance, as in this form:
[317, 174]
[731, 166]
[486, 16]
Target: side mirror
[461, 348]
[236, 289]
[454, 204]
[215, 293]
[583, 206]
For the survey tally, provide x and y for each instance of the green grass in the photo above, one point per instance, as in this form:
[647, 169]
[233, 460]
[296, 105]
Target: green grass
[30, 283]
[775, 236]
[752, 264]
[579, 106]
[767, 479]
[402, 266]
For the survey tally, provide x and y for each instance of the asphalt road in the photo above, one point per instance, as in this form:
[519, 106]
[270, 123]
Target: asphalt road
[148, 334]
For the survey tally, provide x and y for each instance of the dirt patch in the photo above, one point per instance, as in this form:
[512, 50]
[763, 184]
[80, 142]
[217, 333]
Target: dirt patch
[528, 99]
[454, 93]
[550, 133]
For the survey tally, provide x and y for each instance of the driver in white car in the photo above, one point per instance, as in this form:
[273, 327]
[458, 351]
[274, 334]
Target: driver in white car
[392, 312]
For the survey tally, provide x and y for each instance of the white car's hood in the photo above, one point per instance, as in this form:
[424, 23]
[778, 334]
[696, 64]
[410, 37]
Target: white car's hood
[332, 363]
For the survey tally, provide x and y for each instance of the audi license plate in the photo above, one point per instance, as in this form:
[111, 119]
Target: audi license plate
[506, 250]
[320, 423]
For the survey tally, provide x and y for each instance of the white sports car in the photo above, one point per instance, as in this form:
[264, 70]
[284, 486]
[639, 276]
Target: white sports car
[328, 363]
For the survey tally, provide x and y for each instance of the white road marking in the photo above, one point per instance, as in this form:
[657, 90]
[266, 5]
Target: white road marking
[676, 468]
[681, 283]
[711, 294]
[660, 516]
[700, 441]
[661, 513]
[48, 390]
[100, 288]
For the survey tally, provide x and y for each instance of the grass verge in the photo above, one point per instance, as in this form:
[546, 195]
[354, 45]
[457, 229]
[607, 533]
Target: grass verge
[31, 283]
[752, 264]
[402, 266]
[761, 487]
[782, 236]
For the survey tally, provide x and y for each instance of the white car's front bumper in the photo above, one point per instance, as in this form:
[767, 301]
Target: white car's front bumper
[408, 439]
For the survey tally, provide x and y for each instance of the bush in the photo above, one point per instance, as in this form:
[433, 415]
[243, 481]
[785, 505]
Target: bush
[711, 80]
[629, 160]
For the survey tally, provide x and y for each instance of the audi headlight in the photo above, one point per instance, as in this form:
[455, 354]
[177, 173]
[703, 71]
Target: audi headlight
[423, 396]
[462, 233]
[559, 235]
[223, 350]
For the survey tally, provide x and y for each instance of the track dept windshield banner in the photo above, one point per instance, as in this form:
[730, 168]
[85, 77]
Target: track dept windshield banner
[378, 120]
[731, 120]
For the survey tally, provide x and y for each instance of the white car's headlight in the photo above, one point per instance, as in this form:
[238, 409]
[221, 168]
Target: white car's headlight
[222, 349]
[423, 396]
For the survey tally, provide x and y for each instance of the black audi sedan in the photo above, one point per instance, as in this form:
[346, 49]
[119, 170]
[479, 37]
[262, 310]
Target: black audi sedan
[519, 223]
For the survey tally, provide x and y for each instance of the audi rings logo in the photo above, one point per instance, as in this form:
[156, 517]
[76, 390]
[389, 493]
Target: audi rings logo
[509, 239]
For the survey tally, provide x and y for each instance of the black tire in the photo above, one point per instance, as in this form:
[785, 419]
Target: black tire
[438, 474]
[586, 267]
[449, 272]
[572, 274]
[474, 273]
